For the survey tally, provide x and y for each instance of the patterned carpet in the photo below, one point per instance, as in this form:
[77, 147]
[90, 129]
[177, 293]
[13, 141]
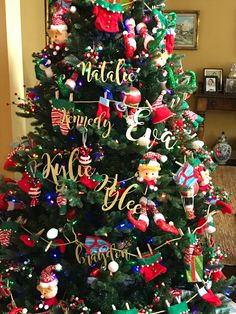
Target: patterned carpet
[225, 176]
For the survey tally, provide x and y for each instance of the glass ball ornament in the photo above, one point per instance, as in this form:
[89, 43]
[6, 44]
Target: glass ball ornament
[113, 266]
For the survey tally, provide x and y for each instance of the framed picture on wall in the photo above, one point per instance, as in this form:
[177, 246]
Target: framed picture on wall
[230, 85]
[215, 72]
[210, 84]
[187, 27]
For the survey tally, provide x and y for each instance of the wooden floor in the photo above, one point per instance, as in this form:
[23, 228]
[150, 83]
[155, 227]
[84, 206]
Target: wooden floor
[225, 234]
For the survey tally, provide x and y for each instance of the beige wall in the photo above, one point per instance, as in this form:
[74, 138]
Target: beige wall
[217, 48]
[5, 111]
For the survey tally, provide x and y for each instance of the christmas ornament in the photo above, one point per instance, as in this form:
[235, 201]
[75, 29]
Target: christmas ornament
[7, 205]
[151, 266]
[108, 15]
[58, 29]
[19, 310]
[62, 204]
[71, 82]
[31, 186]
[10, 163]
[48, 286]
[181, 308]
[160, 111]
[6, 230]
[192, 119]
[143, 32]
[95, 245]
[143, 221]
[103, 110]
[113, 266]
[84, 157]
[129, 38]
[209, 296]
[194, 271]
[25, 238]
[206, 223]
[186, 176]
[132, 97]
[148, 169]
[61, 109]
[4, 290]
[187, 197]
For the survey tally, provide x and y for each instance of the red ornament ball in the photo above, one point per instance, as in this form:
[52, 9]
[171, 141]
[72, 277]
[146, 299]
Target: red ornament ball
[132, 97]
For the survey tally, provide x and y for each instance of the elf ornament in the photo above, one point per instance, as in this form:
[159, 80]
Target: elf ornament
[148, 169]
[58, 30]
[108, 16]
[129, 38]
[48, 286]
[32, 187]
[143, 221]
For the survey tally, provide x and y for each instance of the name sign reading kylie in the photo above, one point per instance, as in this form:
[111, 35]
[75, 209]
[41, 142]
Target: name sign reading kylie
[117, 76]
[73, 171]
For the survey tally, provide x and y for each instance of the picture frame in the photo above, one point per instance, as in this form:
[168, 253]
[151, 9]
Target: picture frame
[187, 30]
[215, 72]
[210, 84]
[230, 85]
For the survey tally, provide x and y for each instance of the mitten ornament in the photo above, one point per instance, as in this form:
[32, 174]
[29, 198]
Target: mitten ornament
[150, 266]
[103, 110]
[160, 112]
[129, 38]
[108, 15]
[31, 186]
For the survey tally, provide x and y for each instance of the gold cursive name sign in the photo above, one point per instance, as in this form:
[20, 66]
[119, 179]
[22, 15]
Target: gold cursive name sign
[78, 121]
[112, 254]
[101, 74]
[74, 171]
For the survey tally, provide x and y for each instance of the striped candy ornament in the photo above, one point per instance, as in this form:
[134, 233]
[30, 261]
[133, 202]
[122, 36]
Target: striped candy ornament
[34, 193]
[188, 254]
[5, 237]
[62, 203]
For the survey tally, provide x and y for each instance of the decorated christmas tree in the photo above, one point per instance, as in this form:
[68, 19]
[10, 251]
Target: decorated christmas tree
[114, 209]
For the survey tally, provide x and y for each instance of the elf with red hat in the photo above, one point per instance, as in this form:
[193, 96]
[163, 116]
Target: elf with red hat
[48, 286]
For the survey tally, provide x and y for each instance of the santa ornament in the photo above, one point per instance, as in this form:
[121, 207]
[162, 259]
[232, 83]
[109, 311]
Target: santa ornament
[48, 286]
[131, 97]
